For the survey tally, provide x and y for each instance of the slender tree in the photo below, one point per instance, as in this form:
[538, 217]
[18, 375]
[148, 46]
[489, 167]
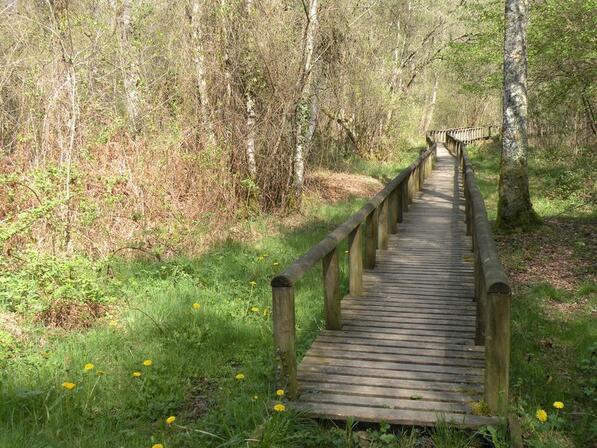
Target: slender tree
[514, 205]
[304, 105]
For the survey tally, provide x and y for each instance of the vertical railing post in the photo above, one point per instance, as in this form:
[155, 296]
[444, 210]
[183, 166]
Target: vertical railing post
[331, 288]
[497, 351]
[400, 201]
[284, 338]
[382, 224]
[393, 211]
[405, 194]
[480, 298]
[355, 262]
[371, 239]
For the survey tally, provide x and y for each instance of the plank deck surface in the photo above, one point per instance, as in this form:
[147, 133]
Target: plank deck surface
[406, 352]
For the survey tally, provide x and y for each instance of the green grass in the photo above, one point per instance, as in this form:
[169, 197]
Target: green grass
[196, 354]
[554, 350]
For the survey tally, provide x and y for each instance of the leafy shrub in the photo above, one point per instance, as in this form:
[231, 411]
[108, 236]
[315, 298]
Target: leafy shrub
[39, 280]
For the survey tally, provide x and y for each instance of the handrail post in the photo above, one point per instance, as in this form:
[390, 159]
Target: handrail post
[331, 287]
[497, 351]
[382, 235]
[399, 202]
[284, 338]
[371, 239]
[393, 211]
[405, 194]
[355, 262]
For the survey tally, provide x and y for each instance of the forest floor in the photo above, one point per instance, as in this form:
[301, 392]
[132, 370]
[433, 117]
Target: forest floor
[191, 338]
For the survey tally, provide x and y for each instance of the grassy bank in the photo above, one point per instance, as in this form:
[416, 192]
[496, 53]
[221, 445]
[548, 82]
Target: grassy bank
[554, 353]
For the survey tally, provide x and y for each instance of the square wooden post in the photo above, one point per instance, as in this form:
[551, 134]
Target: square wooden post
[331, 288]
[355, 262]
[497, 352]
[393, 211]
[284, 339]
[371, 239]
[382, 224]
[400, 202]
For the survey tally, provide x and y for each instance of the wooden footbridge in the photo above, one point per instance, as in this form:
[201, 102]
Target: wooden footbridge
[424, 332]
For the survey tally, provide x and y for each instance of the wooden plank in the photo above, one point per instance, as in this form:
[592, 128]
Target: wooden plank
[312, 396]
[329, 385]
[367, 333]
[392, 416]
[332, 351]
[394, 374]
[395, 384]
[419, 315]
[415, 335]
[424, 328]
[368, 347]
[399, 341]
[466, 372]
[419, 318]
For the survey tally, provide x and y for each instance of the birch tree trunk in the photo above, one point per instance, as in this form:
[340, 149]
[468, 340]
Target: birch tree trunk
[60, 122]
[195, 14]
[514, 204]
[130, 66]
[302, 112]
[250, 111]
[430, 108]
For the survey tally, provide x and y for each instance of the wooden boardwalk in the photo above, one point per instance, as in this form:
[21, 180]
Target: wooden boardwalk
[406, 351]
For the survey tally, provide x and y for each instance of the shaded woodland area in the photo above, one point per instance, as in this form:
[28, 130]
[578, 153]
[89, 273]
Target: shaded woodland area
[161, 161]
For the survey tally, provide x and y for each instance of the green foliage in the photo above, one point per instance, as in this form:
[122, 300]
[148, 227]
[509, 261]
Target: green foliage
[39, 280]
[554, 356]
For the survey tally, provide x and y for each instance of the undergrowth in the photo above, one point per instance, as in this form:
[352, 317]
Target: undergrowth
[554, 355]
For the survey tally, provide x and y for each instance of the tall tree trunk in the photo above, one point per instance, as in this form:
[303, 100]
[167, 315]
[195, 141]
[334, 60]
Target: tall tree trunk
[514, 204]
[62, 115]
[302, 112]
[195, 14]
[429, 109]
[250, 110]
[130, 66]
[250, 113]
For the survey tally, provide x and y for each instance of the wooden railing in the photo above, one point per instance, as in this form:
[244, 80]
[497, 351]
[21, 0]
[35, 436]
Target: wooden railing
[492, 290]
[372, 223]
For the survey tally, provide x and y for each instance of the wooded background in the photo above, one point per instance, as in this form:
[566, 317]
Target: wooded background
[136, 125]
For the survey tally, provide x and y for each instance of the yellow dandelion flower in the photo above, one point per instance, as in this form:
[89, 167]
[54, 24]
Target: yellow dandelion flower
[279, 407]
[136, 374]
[113, 323]
[280, 392]
[147, 362]
[239, 376]
[69, 386]
[541, 415]
[558, 405]
[196, 306]
[170, 420]
[254, 309]
[157, 445]
[87, 367]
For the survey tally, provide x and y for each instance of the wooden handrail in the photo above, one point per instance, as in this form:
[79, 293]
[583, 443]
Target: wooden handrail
[379, 217]
[493, 293]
